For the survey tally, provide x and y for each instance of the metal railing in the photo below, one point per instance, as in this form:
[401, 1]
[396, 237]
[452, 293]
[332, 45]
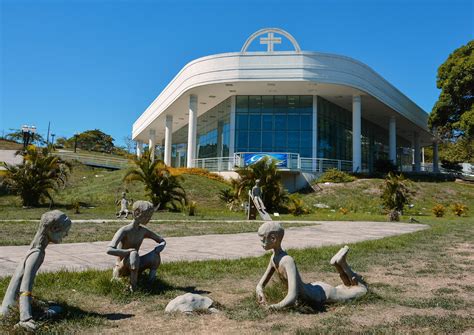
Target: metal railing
[94, 160]
[320, 165]
[294, 163]
[217, 163]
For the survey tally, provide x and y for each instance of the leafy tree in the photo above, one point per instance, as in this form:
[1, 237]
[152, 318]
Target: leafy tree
[91, 140]
[37, 177]
[395, 195]
[94, 140]
[17, 135]
[273, 194]
[453, 113]
[161, 186]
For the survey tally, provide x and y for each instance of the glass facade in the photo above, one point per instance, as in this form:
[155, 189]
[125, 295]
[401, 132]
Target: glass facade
[335, 137]
[266, 123]
[213, 131]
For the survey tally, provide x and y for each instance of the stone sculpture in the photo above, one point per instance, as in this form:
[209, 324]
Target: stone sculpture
[126, 245]
[256, 204]
[190, 302]
[314, 294]
[54, 226]
[123, 206]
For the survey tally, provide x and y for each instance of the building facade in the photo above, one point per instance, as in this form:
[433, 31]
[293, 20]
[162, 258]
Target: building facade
[311, 111]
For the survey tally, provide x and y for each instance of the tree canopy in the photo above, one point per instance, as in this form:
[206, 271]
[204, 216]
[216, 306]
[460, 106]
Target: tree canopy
[453, 113]
[91, 140]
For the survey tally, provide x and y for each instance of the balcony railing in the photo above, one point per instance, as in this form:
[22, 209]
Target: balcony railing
[293, 163]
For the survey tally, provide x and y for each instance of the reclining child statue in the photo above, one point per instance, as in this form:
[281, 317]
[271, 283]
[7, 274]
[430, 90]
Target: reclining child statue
[53, 227]
[313, 294]
[126, 245]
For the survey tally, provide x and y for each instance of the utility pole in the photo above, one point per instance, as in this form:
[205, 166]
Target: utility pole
[47, 135]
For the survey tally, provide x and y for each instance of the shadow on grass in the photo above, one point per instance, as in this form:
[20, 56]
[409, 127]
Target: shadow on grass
[70, 319]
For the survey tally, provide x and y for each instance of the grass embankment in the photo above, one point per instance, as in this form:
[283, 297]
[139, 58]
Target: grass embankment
[97, 191]
[10, 145]
[419, 283]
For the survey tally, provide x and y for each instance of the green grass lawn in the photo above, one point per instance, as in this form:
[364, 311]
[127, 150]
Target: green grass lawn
[97, 190]
[418, 283]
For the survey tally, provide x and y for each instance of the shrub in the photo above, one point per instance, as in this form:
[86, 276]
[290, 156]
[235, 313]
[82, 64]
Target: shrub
[438, 210]
[296, 205]
[161, 186]
[229, 197]
[273, 194]
[384, 166]
[335, 176]
[343, 210]
[396, 194]
[37, 177]
[192, 208]
[459, 209]
[196, 171]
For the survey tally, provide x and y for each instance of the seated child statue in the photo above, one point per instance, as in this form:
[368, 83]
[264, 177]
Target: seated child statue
[126, 245]
[53, 227]
[313, 294]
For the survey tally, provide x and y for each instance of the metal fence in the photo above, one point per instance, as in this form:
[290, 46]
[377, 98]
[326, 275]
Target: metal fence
[94, 160]
[294, 163]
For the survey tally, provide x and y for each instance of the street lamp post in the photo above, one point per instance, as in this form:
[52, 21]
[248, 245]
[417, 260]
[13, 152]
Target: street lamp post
[28, 135]
[75, 141]
[52, 140]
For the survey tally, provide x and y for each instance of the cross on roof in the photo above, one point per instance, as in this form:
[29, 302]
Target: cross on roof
[270, 41]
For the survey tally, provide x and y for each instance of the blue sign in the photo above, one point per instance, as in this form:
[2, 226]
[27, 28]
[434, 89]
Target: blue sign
[280, 159]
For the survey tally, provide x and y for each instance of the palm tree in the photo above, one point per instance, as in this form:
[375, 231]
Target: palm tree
[37, 177]
[161, 186]
[396, 193]
[273, 194]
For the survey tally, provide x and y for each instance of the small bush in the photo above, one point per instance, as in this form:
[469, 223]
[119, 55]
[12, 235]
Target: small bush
[192, 208]
[343, 210]
[396, 193]
[296, 205]
[438, 210]
[335, 176]
[459, 209]
[197, 172]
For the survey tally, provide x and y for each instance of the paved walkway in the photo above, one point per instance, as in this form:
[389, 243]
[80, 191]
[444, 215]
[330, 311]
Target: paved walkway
[80, 256]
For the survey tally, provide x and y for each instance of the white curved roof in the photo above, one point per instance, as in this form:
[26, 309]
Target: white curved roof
[215, 78]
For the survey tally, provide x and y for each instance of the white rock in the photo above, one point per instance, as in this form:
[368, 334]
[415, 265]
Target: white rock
[188, 303]
[321, 206]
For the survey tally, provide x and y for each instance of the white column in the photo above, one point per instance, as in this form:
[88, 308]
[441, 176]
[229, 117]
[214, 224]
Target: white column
[232, 127]
[417, 152]
[232, 133]
[152, 143]
[435, 156]
[356, 133]
[192, 125]
[168, 139]
[315, 133]
[392, 140]
[139, 149]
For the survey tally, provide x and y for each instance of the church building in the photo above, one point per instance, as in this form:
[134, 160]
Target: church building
[309, 111]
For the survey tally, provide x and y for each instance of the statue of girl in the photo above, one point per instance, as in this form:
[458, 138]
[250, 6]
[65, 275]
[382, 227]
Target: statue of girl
[53, 227]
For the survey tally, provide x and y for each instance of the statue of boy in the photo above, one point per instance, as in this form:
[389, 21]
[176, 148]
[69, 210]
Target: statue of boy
[123, 206]
[256, 194]
[126, 244]
[314, 294]
[53, 227]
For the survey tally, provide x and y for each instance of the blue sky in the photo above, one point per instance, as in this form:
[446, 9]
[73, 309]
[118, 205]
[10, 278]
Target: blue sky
[85, 64]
